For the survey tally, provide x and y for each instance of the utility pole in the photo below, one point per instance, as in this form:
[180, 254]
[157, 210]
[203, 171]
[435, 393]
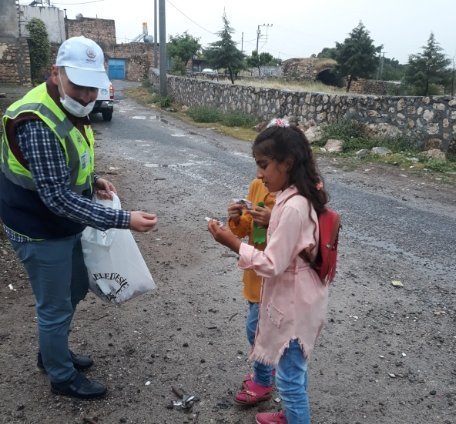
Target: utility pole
[162, 23]
[259, 34]
[380, 69]
[155, 35]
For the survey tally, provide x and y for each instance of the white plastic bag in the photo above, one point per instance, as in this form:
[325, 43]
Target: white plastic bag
[117, 271]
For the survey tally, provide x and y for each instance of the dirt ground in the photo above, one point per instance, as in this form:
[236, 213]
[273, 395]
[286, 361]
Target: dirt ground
[386, 355]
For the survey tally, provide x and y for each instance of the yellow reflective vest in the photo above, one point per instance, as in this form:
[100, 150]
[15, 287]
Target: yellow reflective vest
[79, 152]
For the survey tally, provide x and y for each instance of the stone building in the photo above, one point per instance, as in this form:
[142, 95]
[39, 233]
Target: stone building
[130, 61]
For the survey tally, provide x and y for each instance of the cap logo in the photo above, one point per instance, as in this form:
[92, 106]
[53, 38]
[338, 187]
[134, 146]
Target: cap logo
[91, 53]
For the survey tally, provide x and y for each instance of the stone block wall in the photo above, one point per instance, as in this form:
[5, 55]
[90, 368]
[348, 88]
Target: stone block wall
[103, 31]
[14, 61]
[425, 120]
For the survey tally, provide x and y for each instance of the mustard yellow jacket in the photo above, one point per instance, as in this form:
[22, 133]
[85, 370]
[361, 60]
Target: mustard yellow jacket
[257, 193]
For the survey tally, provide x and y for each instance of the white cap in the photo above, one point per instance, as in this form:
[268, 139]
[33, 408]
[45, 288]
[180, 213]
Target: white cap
[83, 60]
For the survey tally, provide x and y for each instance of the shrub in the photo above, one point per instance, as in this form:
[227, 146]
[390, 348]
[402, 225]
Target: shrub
[238, 119]
[165, 101]
[205, 114]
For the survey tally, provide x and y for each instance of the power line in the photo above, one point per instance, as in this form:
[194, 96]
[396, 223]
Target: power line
[77, 4]
[190, 19]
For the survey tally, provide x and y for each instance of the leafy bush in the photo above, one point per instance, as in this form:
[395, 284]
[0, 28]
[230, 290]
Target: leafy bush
[344, 130]
[355, 138]
[205, 114]
[208, 114]
[165, 101]
[40, 49]
[238, 119]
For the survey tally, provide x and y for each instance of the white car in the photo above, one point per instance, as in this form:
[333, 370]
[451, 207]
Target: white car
[209, 71]
[105, 102]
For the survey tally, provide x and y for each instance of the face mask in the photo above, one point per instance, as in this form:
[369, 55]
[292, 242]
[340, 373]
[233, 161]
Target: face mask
[74, 107]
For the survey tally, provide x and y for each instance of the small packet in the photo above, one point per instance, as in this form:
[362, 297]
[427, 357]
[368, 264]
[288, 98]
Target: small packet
[220, 223]
[244, 202]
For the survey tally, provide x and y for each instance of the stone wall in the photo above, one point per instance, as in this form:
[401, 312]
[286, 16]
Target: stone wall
[426, 120]
[103, 31]
[14, 61]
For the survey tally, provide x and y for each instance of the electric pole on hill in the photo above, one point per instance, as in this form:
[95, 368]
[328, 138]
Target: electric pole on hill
[162, 25]
[259, 34]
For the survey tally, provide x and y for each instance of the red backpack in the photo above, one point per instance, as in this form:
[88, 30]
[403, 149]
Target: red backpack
[329, 223]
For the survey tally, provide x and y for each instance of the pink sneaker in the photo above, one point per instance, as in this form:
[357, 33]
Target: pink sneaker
[252, 393]
[249, 377]
[271, 418]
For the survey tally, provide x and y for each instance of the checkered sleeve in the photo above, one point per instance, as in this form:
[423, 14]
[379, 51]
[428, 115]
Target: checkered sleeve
[46, 162]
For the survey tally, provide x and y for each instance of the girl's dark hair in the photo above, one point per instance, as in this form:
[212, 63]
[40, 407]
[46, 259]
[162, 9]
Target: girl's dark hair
[290, 143]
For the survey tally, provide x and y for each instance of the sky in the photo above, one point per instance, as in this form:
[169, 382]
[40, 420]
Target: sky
[288, 28]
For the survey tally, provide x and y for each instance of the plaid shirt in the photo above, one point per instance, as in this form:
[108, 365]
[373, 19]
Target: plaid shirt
[46, 161]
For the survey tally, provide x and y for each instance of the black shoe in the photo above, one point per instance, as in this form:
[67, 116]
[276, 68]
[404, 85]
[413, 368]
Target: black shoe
[80, 362]
[80, 387]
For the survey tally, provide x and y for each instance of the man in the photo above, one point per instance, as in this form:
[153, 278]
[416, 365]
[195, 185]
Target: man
[47, 181]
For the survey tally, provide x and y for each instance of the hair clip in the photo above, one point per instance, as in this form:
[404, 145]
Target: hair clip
[278, 122]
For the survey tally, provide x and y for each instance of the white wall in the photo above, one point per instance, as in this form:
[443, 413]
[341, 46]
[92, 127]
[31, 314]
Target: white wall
[52, 17]
[8, 19]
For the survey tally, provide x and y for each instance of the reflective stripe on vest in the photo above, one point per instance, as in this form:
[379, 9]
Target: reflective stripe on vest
[78, 152]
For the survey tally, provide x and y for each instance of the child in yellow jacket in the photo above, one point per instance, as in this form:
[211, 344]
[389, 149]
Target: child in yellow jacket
[253, 223]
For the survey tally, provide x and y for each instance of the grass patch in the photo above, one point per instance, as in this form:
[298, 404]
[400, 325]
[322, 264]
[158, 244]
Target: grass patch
[204, 114]
[147, 95]
[210, 114]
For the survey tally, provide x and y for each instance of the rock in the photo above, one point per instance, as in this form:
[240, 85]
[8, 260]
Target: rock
[382, 130]
[334, 145]
[313, 134]
[381, 151]
[433, 143]
[435, 154]
[362, 153]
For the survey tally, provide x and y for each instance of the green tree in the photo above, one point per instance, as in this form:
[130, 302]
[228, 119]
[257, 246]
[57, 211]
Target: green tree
[389, 70]
[357, 56]
[181, 48]
[327, 53]
[224, 53]
[259, 60]
[427, 68]
[39, 48]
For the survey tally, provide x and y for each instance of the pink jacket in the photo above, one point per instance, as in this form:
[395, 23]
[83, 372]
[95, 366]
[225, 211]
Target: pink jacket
[293, 299]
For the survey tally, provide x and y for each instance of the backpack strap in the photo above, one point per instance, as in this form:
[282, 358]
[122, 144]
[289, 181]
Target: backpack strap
[305, 253]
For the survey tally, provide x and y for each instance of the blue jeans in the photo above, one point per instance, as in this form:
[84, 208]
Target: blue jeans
[262, 374]
[59, 280]
[291, 382]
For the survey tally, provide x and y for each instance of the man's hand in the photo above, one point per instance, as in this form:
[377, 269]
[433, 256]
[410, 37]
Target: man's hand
[223, 235]
[142, 221]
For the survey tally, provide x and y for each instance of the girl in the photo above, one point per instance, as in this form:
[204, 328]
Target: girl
[293, 299]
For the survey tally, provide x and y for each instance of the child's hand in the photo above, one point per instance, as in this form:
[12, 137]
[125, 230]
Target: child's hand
[235, 212]
[223, 235]
[261, 216]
